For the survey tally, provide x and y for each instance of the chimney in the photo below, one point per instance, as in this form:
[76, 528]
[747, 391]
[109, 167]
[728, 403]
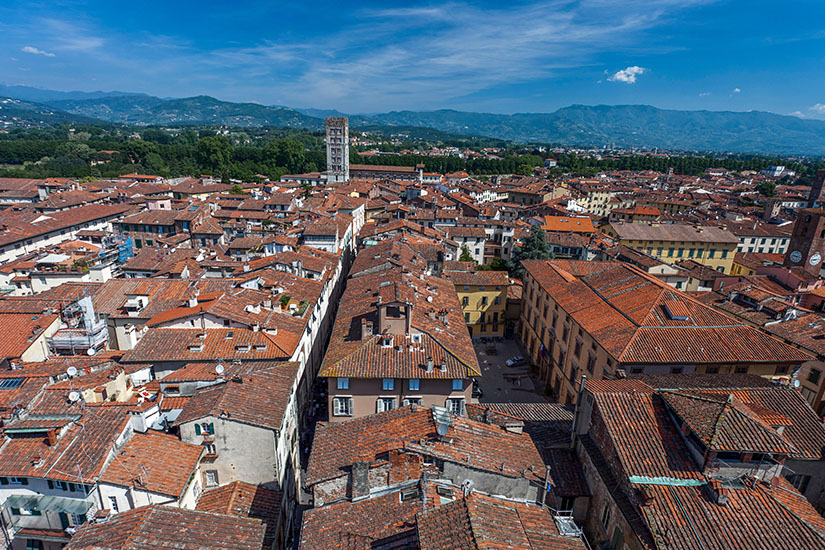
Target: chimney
[268, 303]
[245, 268]
[366, 329]
[51, 438]
[430, 364]
[360, 481]
[513, 427]
[443, 366]
[719, 493]
[645, 495]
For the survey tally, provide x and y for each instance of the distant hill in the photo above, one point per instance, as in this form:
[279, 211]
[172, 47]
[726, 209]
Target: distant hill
[640, 126]
[37, 95]
[190, 110]
[630, 126]
[16, 112]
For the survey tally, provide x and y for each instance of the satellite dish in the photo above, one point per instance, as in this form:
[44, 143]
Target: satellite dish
[74, 396]
[71, 371]
[219, 369]
[442, 429]
[91, 351]
[796, 383]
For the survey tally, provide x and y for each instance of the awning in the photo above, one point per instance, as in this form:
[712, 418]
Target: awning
[47, 503]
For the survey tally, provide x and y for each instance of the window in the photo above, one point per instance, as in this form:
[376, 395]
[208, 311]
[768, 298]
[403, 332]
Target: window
[415, 384]
[577, 351]
[606, 516]
[412, 401]
[343, 383]
[484, 300]
[204, 428]
[466, 317]
[712, 370]
[565, 334]
[458, 384]
[497, 300]
[211, 478]
[741, 370]
[676, 370]
[342, 406]
[711, 253]
[385, 404]
[18, 481]
[591, 363]
[455, 406]
[387, 384]
[465, 301]
[34, 544]
[113, 504]
[211, 449]
[814, 375]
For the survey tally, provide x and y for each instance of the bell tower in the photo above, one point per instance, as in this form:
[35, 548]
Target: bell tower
[337, 149]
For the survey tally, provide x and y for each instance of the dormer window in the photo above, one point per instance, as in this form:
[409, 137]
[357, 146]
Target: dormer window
[386, 341]
[416, 338]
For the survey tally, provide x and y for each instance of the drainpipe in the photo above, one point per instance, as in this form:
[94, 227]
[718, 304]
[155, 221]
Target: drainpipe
[577, 412]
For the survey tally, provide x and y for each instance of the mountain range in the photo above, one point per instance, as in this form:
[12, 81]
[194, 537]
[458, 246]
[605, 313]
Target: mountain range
[640, 126]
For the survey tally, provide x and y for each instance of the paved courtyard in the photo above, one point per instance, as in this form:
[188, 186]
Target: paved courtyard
[501, 383]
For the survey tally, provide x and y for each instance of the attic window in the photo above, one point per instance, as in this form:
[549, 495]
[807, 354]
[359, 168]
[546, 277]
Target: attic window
[260, 347]
[386, 341]
[229, 335]
[416, 339]
[242, 348]
[410, 494]
[11, 383]
[676, 311]
[198, 347]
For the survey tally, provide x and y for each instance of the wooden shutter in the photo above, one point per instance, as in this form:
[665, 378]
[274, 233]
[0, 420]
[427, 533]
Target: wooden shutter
[197, 429]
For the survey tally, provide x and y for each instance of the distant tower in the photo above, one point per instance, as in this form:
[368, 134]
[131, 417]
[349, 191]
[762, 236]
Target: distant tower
[772, 209]
[817, 196]
[337, 149]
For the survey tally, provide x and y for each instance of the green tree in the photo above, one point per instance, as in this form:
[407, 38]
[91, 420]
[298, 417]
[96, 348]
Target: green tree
[466, 256]
[533, 247]
[214, 153]
[524, 170]
[767, 188]
[237, 190]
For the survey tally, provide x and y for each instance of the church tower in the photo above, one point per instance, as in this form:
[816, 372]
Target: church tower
[337, 149]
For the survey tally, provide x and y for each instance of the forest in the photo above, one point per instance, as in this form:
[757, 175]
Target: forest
[251, 153]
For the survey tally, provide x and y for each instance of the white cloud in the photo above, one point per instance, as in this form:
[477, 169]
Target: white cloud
[35, 51]
[628, 75]
[819, 108]
[736, 90]
[704, 94]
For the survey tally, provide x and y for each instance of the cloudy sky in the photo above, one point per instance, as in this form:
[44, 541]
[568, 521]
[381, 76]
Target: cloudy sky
[361, 57]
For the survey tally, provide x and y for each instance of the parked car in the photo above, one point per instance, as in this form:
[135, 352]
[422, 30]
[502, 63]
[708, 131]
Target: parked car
[515, 361]
[477, 393]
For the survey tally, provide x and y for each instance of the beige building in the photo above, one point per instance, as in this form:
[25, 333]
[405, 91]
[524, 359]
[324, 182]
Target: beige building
[608, 319]
[710, 246]
[398, 339]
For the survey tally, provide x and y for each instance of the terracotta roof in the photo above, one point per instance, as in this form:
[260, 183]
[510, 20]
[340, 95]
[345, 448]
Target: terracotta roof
[154, 462]
[349, 355]
[245, 500]
[481, 522]
[476, 444]
[627, 312]
[258, 398]
[153, 527]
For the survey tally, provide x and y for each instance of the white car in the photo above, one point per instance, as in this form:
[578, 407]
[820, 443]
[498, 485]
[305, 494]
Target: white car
[514, 361]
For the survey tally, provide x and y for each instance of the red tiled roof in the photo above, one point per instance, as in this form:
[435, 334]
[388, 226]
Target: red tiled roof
[154, 462]
[153, 527]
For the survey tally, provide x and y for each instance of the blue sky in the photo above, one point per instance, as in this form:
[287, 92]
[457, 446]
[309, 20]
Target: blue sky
[360, 57]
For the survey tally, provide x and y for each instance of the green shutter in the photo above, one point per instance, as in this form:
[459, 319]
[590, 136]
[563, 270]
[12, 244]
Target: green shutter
[25, 480]
[197, 429]
[4, 481]
[50, 483]
[211, 428]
